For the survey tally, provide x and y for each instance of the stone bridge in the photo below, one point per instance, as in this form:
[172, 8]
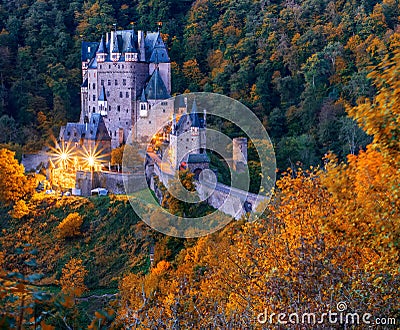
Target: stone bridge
[229, 200]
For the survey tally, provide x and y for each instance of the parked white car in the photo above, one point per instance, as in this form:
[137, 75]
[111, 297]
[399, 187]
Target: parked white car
[99, 192]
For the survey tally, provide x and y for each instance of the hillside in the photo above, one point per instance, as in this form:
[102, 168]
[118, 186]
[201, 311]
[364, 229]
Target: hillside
[112, 242]
[322, 76]
[297, 65]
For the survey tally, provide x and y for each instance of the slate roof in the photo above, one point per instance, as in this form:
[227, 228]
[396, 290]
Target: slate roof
[130, 44]
[88, 50]
[102, 96]
[93, 63]
[102, 47]
[85, 83]
[94, 130]
[198, 158]
[155, 88]
[143, 97]
[127, 41]
[194, 117]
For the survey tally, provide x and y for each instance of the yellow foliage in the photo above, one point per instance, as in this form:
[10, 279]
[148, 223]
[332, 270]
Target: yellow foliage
[70, 226]
[161, 268]
[20, 209]
[14, 185]
[72, 280]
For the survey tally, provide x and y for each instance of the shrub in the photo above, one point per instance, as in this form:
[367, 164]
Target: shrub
[70, 226]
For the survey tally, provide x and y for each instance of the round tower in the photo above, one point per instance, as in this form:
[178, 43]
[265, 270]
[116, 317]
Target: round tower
[239, 152]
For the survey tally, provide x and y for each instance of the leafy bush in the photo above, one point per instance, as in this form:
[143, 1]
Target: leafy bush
[70, 226]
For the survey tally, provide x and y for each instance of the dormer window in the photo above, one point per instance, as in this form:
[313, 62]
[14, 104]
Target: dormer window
[194, 131]
[143, 110]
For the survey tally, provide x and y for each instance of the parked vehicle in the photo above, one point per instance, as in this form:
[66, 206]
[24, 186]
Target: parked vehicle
[99, 192]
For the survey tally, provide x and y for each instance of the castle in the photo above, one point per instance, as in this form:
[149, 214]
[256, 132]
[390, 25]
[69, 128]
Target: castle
[124, 76]
[125, 98]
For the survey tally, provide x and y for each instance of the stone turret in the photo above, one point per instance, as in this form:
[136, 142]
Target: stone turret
[115, 52]
[239, 153]
[101, 53]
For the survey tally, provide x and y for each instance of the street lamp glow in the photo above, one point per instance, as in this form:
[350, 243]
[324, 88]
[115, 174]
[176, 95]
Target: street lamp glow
[91, 161]
[64, 156]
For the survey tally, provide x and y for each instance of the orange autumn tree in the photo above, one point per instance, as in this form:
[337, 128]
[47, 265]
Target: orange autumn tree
[14, 185]
[72, 280]
[366, 190]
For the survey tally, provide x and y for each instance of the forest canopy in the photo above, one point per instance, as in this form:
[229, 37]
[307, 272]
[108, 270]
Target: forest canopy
[298, 65]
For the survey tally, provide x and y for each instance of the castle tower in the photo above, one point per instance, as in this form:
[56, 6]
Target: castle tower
[159, 58]
[115, 52]
[131, 53]
[182, 105]
[84, 102]
[195, 126]
[143, 106]
[124, 78]
[101, 53]
[102, 102]
[239, 151]
[142, 53]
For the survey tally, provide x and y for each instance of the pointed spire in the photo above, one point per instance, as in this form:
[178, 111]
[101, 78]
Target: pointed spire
[102, 47]
[194, 115]
[130, 47]
[102, 96]
[115, 48]
[194, 106]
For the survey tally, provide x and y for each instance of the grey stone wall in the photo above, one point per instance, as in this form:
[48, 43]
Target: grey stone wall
[112, 181]
[32, 162]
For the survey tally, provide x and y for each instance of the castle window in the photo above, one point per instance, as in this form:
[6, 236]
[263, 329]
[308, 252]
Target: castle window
[115, 133]
[94, 110]
[126, 123]
[149, 121]
[101, 66]
[118, 108]
[122, 66]
[109, 83]
[163, 110]
[94, 97]
[91, 132]
[119, 119]
[119, 67]
[108, 93]
[68, 133]
[94, 85]
[126, 110]
[124, 82]
[109, 66]
[164, 103]
[116, 82]
[109, 108]
[120, 94]
[127, 94]
[102, 82]
[74, 133]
